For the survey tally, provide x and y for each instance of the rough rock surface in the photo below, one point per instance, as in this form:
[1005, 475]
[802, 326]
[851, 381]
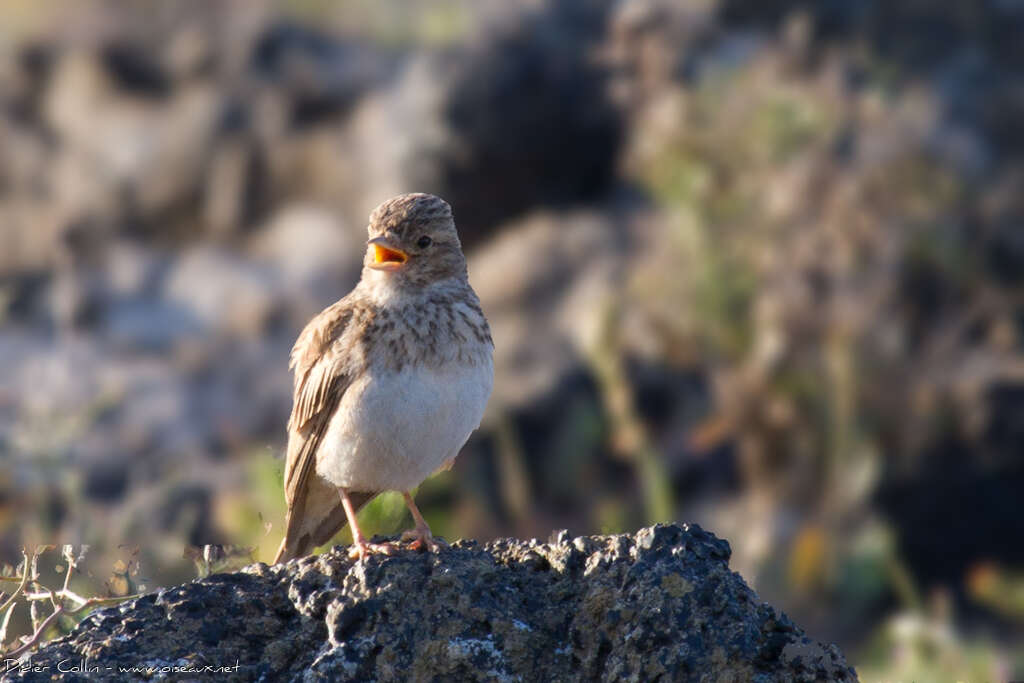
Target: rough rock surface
[660, 604]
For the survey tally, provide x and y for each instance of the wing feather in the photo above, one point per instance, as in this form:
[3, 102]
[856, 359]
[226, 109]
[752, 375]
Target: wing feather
[321, 379]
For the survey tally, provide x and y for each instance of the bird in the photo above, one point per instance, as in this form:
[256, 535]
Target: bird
[389, 381]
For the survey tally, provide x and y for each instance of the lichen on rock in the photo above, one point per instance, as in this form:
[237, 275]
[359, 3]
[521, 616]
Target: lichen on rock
[660, 604]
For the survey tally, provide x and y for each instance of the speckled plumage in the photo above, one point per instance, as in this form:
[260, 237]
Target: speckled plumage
[390, 380]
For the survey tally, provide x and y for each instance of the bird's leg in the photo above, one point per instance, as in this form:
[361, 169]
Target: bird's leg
[420, 536]
[360, 547]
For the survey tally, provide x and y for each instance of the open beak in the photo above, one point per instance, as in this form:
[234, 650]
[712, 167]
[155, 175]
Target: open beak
[386, 256]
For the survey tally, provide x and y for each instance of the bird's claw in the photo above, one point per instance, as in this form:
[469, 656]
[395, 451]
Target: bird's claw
[360, 550]
[422, 540]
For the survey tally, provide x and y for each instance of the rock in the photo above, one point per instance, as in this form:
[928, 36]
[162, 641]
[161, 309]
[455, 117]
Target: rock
[322, 75]
[223, 291]
[532, 122]
[316, 257]
[658, 604]
[121, 152]
[545, 282]
[517, 121]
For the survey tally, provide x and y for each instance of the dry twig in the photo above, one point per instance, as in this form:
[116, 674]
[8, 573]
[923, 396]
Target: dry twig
[57, 598]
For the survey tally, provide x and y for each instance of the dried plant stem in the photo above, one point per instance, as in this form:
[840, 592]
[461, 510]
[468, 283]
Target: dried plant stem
[4, 624]
[56, 598]
[515, 486]
[8, 607]
[89, 603]
[20, 589]
[30, 641]
[71, 595]
[628, 429]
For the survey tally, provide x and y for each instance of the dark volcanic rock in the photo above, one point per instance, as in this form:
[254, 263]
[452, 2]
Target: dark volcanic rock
[657, 605]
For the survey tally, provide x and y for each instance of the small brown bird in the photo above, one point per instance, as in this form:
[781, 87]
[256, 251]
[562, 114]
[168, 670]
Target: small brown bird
[390, 381]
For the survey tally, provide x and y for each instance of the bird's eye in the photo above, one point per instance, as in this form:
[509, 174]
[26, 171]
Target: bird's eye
[424, 242]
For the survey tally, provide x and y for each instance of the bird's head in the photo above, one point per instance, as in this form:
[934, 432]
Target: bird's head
[413, 239]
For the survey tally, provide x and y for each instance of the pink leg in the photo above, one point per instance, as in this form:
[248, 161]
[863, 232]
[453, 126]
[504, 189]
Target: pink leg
[420, 536]
[360, 547]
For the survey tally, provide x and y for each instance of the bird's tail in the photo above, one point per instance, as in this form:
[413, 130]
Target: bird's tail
[316, 523]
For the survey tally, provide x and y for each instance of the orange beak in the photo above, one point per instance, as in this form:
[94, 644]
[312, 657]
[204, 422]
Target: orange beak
[386, 256]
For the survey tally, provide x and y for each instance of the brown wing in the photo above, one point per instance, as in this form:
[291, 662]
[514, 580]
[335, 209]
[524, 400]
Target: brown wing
[320, 382]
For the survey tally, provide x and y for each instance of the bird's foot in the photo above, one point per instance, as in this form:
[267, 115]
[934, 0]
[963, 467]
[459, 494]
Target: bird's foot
[422, 539]
[360, 550]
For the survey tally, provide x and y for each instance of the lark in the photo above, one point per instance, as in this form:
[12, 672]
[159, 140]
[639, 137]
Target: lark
[390, 381]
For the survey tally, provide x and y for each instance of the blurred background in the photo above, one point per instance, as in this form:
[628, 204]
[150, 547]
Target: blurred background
[755, 265]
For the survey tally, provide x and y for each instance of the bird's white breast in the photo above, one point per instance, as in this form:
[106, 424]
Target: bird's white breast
[394, 428]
